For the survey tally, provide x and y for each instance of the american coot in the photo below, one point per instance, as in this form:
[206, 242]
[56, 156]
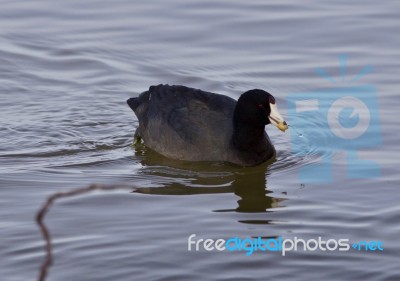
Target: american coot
[190, 124]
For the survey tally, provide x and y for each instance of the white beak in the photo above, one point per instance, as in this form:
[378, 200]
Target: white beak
[276, 118]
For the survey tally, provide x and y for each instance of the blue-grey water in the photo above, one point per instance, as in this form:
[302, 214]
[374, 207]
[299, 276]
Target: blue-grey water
[66, 70]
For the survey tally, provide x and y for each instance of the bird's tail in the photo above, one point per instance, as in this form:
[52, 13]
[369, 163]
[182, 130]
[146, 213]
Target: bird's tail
[133, 103]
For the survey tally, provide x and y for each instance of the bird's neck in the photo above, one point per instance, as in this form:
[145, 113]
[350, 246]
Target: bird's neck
[250, 142]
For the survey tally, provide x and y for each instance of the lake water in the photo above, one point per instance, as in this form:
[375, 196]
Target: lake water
[66, 70]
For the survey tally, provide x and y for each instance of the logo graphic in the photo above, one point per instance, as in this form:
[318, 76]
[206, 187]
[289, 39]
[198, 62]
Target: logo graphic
[337, 119]
[280, 245]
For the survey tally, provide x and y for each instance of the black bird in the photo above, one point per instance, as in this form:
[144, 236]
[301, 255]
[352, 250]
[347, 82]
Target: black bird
[190, 124]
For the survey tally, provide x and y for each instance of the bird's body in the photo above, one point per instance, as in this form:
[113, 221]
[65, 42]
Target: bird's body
[190, 124]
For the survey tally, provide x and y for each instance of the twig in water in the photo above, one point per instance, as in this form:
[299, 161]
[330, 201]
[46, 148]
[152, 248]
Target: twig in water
[45, 208]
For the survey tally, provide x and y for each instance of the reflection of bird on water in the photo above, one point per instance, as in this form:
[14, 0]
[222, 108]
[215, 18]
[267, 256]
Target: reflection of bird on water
[181, 178]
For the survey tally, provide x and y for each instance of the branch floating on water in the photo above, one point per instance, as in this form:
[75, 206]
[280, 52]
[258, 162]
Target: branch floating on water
[46, 207]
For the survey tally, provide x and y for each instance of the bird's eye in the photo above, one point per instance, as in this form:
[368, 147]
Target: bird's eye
[260, 105]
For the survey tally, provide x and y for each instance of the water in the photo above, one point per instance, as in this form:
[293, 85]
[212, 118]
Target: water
[66, 69]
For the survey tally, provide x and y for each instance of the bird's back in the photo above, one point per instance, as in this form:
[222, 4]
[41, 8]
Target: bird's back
[185, 123]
